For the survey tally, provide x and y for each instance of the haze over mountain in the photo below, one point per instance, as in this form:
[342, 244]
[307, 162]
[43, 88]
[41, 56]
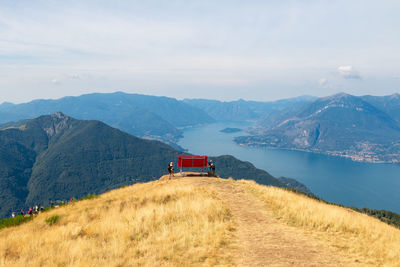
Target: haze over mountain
[363, 128]
[56, 157]
[140, 115]
[242, 110]
[341, 124]
[152, 117]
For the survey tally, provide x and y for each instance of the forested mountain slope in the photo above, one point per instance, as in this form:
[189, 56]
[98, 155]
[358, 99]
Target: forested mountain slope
[56, 157]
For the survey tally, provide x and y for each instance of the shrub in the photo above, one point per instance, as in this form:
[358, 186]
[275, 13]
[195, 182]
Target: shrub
[90, 196]
[52, 220]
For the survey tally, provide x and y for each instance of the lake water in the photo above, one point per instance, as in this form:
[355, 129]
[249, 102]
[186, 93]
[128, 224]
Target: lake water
[335, 179]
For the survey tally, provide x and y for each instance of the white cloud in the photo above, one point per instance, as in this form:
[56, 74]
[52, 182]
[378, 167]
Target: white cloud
[162, 45]
[348, 72]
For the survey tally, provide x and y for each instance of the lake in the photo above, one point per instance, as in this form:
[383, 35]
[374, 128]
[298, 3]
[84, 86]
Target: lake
[335, 179]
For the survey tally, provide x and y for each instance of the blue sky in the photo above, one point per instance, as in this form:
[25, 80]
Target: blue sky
[259, 50]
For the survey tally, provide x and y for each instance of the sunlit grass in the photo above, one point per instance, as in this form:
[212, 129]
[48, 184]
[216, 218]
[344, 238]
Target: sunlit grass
[146, 224]
[349, 231]
[173, 224]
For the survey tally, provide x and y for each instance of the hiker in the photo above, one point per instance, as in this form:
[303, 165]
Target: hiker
[70, 200]
[30, 211]
[36, 209]
[22, 212]
[211, 168]
[12, 214]
[171, 170]
[51, 204]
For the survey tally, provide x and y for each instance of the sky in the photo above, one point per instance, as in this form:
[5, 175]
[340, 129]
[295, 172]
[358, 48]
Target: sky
[225, 49]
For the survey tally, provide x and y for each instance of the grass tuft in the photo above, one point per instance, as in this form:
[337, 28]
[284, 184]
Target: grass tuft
[90, 196]
[52, 220]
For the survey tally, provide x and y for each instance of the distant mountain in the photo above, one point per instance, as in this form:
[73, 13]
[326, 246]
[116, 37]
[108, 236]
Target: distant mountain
[283, 109]
[342, 125]
[141, 115]
[56, 157]
[389, 104]
[242, 110]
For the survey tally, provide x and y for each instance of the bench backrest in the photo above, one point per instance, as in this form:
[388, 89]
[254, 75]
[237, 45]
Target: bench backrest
[192, 161]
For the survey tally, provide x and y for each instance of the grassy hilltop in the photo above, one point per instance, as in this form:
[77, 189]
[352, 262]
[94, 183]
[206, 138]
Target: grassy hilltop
[195, 221]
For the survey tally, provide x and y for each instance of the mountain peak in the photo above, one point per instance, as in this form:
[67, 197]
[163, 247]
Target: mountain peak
[54, 123]
[341, 100]
[338, 96]
[55, 117]
[59, 115]
[341, 94]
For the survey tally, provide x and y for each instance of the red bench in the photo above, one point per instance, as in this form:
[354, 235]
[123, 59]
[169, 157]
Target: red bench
[192, 161]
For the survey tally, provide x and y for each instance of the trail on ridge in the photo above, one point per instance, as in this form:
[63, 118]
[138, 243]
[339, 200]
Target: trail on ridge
[263, 240]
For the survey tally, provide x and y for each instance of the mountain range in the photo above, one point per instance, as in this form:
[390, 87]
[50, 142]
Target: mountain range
[364, 128]
[141, 115]
[242, 110]
[361, 128]
[389, 104]
[56, 157]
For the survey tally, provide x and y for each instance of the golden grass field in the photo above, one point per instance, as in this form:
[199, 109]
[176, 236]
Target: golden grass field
[351, 232]
[183, 222]
[152, 224]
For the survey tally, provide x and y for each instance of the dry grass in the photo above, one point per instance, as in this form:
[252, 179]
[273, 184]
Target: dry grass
[350, 232]
[171, 223]
[152, 224]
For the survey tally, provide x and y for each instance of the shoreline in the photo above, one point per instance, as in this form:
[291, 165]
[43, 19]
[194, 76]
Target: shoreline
[331, 154]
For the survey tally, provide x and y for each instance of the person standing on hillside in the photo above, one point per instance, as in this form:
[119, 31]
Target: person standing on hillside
[171, 170]
[211, 168]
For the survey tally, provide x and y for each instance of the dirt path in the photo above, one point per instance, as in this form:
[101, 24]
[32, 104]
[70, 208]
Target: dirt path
[263, 240]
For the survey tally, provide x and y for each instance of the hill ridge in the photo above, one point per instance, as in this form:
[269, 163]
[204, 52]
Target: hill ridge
[196, 221]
